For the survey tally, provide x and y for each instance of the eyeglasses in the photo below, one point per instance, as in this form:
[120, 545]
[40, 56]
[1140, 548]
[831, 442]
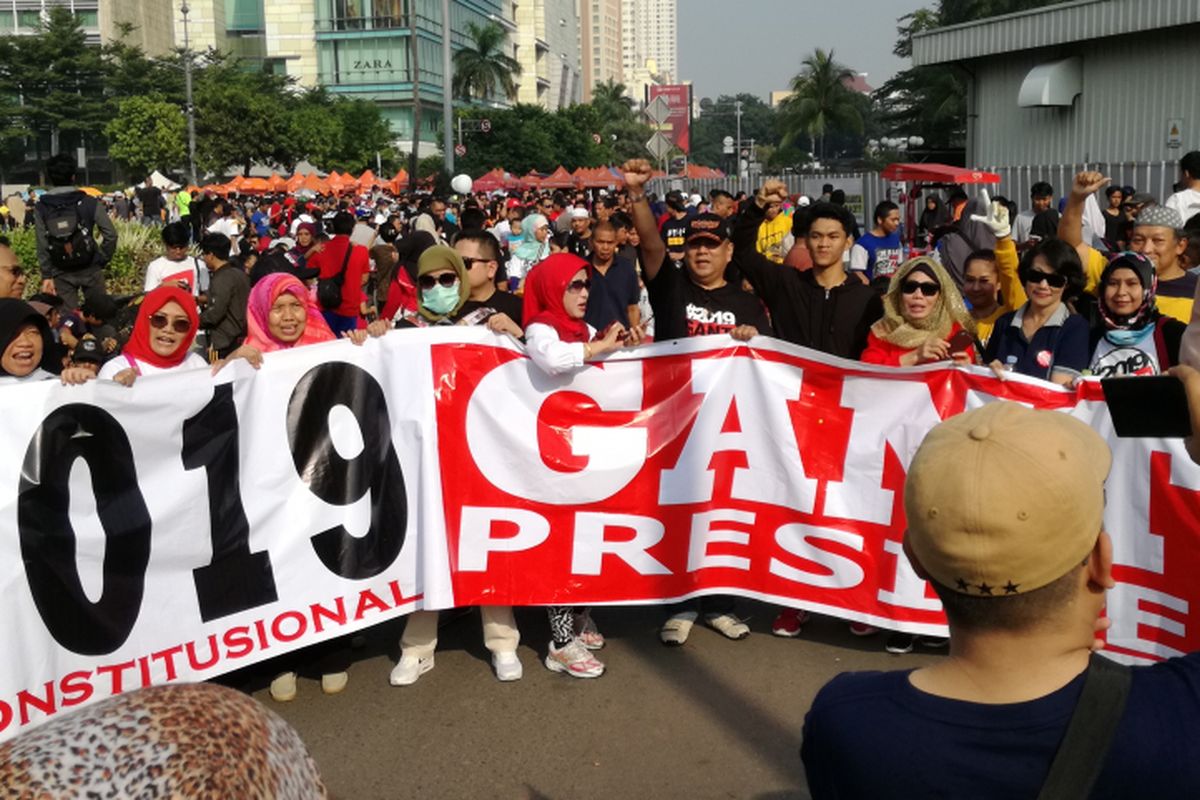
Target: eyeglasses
[470, 262]
[1051, 279]
[446, 279]
[179, 324]
[574, 287]
[927, 289]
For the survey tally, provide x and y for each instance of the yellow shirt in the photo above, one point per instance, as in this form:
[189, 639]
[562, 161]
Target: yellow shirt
[771, 235]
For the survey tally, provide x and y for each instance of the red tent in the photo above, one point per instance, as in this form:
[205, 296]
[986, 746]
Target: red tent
[559, 179]
[531, 180]
[937, 173]
[494, 181]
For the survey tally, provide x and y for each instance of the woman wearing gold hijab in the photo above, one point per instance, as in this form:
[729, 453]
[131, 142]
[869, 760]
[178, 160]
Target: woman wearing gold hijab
[924, 319]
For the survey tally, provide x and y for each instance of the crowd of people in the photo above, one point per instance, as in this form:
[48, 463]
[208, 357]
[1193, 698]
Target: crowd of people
[1056, 295]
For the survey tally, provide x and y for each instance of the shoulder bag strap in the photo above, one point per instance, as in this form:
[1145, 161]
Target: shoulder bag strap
[341, 275]
[1090, 732]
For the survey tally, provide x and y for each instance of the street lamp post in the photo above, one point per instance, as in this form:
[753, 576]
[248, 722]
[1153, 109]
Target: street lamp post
[187, 87]
[447, 91]
[737, 110]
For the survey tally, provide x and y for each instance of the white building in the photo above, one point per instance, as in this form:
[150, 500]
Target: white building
[649, 32]
[547, 39]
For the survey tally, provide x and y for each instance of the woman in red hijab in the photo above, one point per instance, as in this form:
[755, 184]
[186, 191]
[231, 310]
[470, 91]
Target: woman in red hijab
[166, 325]
[557, 339]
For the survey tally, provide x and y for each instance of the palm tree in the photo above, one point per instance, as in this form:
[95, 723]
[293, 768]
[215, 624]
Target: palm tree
[820, 101]
[483, 64]
[611, 99]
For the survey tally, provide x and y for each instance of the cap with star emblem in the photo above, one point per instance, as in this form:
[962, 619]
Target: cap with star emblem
[1003, 500]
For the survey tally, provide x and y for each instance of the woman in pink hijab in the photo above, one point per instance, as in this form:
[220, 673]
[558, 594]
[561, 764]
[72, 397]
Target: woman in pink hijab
[281, 314]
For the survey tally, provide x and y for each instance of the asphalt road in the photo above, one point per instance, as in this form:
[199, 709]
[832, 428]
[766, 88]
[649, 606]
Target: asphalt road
[712, 719]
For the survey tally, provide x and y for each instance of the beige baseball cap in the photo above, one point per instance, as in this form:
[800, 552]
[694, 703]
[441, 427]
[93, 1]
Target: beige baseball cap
[1004, 499]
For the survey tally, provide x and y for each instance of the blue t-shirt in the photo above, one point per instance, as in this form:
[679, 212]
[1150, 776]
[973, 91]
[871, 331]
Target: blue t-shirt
[261, 222]
[1061, 344]
[885, 254]
[873, 734]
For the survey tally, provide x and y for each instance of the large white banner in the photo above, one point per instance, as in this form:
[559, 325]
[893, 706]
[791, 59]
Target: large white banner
[192, 525]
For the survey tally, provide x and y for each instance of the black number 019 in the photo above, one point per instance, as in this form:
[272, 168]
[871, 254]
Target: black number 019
[236, 579]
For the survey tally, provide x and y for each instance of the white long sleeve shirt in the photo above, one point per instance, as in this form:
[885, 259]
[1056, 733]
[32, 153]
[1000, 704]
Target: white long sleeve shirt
[552, 355]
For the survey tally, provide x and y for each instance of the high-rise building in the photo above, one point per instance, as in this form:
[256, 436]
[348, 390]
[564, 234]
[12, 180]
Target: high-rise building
[148, 25]
[648, 34]
[600, 44]
[547, 38]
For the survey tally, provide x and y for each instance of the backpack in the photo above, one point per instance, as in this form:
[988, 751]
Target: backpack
[329, 290]
[69, 240]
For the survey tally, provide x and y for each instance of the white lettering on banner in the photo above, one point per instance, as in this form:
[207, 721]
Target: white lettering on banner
[590, 545]
[703, 534]
[860, 495]
[796, 538]
[1125, 631]
[910, 587]
[475, 540]
[502, 427]
[774, 473]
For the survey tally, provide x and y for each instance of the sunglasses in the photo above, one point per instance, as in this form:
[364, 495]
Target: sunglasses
[574, 287]
[179, 324]
[1051, 279]
[446, 279]
[470, 262]
[927, 289]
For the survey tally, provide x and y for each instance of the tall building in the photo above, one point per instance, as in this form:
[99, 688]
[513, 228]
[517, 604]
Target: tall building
[150, 25]
[547, 38]
[600, 44]
[649, 34]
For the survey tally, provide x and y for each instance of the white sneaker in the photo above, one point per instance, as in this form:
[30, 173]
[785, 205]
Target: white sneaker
[409, 669]
[728, 625]
[283, 688]
[507, 666]
[334, 682]
[575, 660]
[675, 630]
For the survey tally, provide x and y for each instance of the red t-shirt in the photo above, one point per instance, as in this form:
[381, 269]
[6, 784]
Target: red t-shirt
[330, 260]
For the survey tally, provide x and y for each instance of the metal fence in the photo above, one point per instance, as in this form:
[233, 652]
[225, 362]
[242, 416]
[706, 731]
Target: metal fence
[865, 189]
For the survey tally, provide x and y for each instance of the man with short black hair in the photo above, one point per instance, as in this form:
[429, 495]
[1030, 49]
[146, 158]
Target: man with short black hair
[614, 292]
[673, 227]
[12, 273]
[70, 258]
[481, 256]
[723, 204]
[229, 290]
[176, 265]
[151, 199]
[340, 256]
[1015, 548]
[1041, 197]
[693, 301]
[879, 253]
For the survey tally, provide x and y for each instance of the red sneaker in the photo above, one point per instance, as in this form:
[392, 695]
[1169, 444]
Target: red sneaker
[863, 629]
[789, 622]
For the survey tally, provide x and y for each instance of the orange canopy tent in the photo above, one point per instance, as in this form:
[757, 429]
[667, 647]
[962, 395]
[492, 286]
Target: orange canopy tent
[368, 180]
[399, 181]
[318, 185]
[216, 188]
[559, 179]
[255, 186]
[293, 183]
[276, 183]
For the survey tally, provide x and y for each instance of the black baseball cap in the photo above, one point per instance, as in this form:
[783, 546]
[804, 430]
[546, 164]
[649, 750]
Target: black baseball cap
[707, 227]
[88, 351]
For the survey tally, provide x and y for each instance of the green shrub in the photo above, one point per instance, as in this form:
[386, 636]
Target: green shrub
[137, 246]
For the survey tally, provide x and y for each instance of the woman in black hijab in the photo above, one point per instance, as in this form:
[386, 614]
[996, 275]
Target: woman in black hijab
[28, 351]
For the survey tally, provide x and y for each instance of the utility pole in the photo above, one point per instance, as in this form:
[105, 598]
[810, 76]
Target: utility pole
[414, 158]
[737, 110]
[187, 87]
[447, 91]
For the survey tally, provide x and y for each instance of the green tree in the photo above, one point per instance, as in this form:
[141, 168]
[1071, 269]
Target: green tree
[483, 65]
[147, 133]
[719, 119]
[820, 102]
[240, 118]
[612, 99]
[364, 133]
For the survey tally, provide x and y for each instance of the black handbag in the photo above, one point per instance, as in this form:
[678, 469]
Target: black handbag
[329, 290]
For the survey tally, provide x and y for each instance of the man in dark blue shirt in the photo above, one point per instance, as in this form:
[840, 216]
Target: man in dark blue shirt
[614, 293]
[1005, 510]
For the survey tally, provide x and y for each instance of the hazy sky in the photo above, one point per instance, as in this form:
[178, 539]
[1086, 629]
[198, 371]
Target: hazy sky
[729, 46]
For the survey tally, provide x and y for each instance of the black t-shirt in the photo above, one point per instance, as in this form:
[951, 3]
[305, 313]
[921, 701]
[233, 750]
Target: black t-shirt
[682, 309]
[579, 246]
[612, 294]
[500, 302]
[152, 200]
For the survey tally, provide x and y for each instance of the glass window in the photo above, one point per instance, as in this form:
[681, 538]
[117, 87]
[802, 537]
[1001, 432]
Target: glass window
[6, 21]
[29, 20]
[88, 19]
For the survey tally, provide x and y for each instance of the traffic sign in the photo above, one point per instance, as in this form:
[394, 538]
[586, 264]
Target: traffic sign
[485, 125]
[658, 146]
[658, 111]
[460, 150]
